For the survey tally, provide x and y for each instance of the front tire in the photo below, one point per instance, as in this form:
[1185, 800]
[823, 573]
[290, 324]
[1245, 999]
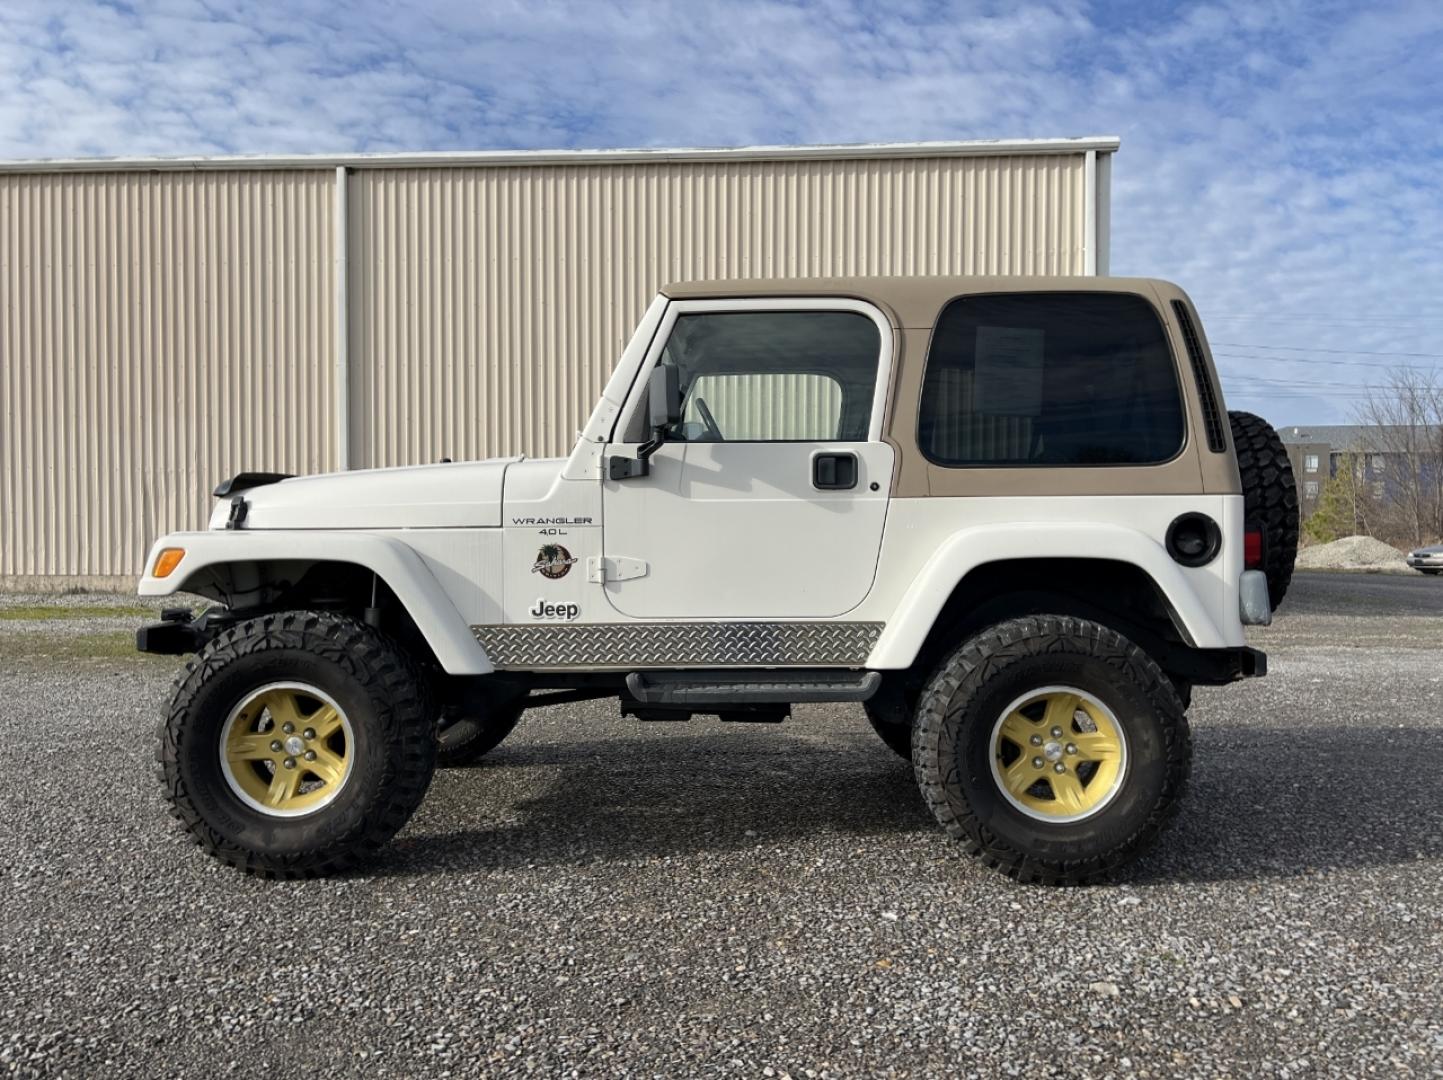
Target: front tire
[1103, 721]
[297, 743]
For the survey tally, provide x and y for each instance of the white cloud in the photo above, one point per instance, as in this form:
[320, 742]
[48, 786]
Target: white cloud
[1280, 159]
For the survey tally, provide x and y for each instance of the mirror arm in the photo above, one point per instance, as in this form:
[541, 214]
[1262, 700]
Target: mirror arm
[626, 468]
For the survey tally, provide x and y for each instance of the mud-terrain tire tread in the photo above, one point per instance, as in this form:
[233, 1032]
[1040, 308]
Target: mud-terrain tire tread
[987, 655]
[386, 672]
[491, 731]
[1270, 496]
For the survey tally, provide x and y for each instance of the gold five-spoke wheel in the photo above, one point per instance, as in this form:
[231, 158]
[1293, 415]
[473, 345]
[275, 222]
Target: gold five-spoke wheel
[1058, 754]
[286, 750]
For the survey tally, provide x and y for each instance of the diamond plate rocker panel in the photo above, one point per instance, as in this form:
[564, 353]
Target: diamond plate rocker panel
[680, 645]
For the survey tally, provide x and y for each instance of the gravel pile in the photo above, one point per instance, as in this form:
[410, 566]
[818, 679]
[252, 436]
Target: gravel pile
[1357, 553]
[605, 898]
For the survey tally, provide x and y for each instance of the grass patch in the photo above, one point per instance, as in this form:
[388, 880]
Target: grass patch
[103, 645]
[49, 612]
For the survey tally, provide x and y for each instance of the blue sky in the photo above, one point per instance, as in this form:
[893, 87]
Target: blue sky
[1283, 160]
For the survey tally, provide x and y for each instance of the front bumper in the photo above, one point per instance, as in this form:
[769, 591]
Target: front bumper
[1426, 562]
[168, 639]
[178, 633]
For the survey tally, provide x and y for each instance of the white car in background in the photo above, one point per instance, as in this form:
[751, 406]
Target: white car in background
[1429, 560]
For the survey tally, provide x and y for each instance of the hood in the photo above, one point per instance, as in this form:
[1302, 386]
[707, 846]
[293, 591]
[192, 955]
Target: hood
[446, 496]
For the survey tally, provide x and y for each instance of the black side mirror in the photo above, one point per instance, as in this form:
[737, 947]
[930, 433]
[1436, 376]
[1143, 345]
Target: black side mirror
[663, 392]
[664, 396]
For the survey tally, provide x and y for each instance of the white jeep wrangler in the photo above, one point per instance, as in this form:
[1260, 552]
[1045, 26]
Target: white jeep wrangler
[1008, 516]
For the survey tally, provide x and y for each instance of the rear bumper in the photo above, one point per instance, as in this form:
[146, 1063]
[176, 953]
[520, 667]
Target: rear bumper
[1218, 667]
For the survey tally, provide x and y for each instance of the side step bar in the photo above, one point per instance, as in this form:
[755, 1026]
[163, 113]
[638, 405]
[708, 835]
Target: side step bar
[707, 691]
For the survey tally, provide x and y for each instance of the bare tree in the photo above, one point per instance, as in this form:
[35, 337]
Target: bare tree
[1404, 418]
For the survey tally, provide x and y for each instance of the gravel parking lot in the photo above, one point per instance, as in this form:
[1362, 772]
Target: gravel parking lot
[607, 898]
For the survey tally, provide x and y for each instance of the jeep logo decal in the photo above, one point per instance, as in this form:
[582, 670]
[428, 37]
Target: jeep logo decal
[553, 561]
[544, 610]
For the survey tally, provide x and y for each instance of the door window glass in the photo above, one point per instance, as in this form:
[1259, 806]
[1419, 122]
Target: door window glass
[774, 376]
[765, 407]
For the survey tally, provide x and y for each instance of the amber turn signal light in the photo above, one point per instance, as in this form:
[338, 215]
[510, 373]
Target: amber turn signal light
[166, 561]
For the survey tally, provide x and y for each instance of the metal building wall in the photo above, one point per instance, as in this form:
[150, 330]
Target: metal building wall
[489, 304]
[160, 331]
[164, 327]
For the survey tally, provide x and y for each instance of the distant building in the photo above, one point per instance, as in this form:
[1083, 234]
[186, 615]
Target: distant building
[1318, 452]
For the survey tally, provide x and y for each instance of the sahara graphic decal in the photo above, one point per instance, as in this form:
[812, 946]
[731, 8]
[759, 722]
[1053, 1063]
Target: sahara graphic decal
[553, 561]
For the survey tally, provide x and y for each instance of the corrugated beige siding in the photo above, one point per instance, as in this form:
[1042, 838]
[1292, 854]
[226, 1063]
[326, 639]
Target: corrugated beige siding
[489, 304]
[160, 331]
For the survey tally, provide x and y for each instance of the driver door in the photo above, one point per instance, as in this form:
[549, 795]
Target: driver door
[768, 498]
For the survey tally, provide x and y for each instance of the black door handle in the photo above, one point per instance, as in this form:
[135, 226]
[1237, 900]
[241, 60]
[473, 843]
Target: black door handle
[834, 471]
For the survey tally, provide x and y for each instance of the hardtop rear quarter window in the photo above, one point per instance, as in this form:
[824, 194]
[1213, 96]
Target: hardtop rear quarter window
[1050, 380]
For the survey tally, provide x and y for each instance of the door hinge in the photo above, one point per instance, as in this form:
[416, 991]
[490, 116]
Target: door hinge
[614, 568]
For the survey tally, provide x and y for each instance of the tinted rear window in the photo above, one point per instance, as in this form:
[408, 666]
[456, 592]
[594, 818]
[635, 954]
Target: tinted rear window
[1050, 379]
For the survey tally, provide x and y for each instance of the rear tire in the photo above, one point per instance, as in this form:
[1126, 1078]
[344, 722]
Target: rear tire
[470, 738]
[1007, 811]
[240, 705]
[1270, 497]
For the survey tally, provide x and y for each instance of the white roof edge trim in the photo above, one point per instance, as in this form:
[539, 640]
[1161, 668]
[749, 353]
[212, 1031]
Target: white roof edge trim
[1103, 144]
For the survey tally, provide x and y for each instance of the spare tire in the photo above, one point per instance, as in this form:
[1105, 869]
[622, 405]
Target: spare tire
[1270, 497]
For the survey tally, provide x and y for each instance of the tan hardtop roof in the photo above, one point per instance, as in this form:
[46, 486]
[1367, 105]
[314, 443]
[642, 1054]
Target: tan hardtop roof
[912, 301]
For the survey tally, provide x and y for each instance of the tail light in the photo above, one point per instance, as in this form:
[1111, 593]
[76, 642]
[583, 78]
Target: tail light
[1253, 549]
